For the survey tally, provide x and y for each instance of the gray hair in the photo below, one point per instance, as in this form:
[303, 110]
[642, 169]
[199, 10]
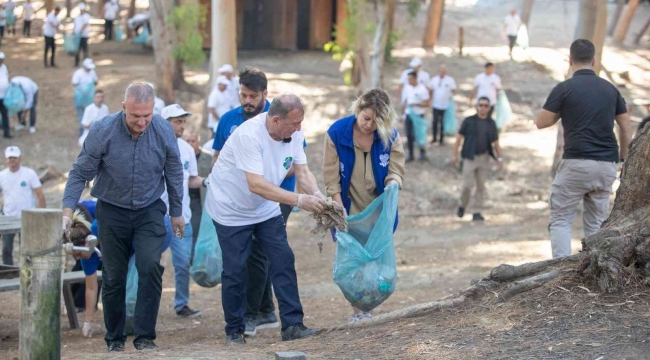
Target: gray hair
[284, 104]
[140, 93]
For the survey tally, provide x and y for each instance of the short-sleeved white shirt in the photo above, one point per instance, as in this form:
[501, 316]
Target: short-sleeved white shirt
[18, 190]
[28, 11]
[233, 89]
[423, 78]
[93, 113]
[158, 105]
[50, 25]
[4, 80]
[79, 22]
[190, 168]
[442, 91]
[487, 85]
[221, 102]
[512, 24]
[415, 95]
[29, 89]
[250, 149]
[110, 10]
[82, 77]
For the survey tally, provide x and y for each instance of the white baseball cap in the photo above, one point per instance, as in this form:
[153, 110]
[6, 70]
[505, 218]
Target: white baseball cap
[2, 55]
[12, 151]
[82, 6]
[226, 68]
[88, 63]
[174, 111]
[415, 62]
[223, 80]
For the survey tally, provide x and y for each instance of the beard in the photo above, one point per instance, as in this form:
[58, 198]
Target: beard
[251, 113]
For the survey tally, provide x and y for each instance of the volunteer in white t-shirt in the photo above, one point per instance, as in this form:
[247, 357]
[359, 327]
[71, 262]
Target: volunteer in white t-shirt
[80, 79]
[92, 113]
[28, 16]
[415, 102]
[82, 28]
[18, 185]
[243, 197]
[30, 89]
[4, 84]
[111, 11]
[182, 248]
[423, 77]
[441, 87]
[487, 84]
[511, 25]
[233, 88]
[3, 21]
[219, 102]
[50, 26]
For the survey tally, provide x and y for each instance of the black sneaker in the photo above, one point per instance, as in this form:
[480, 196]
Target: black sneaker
[461, 212]
[144, 344]
[115, 346]
[478, 217]
[235, 339]
[186, 312]
[267, 321]
[295, 332]
[251, 327]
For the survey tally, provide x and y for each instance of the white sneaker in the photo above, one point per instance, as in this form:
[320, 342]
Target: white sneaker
[19, 128]
[32, 129]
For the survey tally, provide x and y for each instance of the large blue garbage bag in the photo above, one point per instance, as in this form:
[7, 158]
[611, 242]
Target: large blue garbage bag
[119, 34]
[503, 110]
[143, 37]
[84, 94]
[71, 43]
[11, 17]
[14, 99]
[131, 288]
[449, 120]
[364, 265]
[208, 263]
[419, 127]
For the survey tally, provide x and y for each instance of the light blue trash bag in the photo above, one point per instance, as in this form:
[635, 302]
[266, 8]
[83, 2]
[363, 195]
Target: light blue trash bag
[84, 94]
[14, 99]
[419, 127]
[449, 120]
[143, 37]
[208, 262]
[71, 43]
[10, 17]
[364, 265]
[131, 288]
[503, 110]
[119, 34]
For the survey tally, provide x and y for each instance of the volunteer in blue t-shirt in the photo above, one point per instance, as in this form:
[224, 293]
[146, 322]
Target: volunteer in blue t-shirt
[260, 310]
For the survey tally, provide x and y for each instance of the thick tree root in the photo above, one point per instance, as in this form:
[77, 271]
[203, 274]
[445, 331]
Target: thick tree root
[504, 273]
[527, 285]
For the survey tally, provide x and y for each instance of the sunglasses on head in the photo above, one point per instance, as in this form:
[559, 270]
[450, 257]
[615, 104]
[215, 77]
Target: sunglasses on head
[483, 105]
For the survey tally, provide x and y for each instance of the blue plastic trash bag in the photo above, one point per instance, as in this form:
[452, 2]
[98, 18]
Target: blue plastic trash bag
[84, 94]
[449, 122]
[503, 110]
[119, 34]
[364, 265]
[208, 263]
[522, 37]
[143, 37]
[11, 17]
[14, 99]
[131, 288]
[71, 43]
[419, 127]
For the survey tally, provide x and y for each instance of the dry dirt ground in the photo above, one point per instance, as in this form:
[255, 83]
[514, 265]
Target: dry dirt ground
[438, 254]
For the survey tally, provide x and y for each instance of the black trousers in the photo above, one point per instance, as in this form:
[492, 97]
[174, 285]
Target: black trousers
[108, 29]
[49, 44]
[438, 116]
[2, 31]
[27, 28]
[83, 46]
[259, 292]
[6, 128]
[512, 40]
[121, 230]
[410, 138]
[32, 113]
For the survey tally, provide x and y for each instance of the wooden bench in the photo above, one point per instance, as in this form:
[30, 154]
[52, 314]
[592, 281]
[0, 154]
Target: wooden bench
[69, 278]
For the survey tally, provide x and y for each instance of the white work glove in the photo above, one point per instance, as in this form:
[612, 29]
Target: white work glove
[320, 195]
[311, 203]
[87, 330]
[66, 224]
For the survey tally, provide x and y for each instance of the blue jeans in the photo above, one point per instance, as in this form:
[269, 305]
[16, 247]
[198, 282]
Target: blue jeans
[80, 116]
[181, 252]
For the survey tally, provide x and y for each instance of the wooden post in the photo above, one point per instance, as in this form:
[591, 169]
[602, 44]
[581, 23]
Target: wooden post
[637, 40]
[40, 285]
[461, 34]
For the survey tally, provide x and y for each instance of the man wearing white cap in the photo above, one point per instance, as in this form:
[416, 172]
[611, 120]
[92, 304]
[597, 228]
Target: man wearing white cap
[82, 28]
[50, 26]
[182, 248]
[18, 185]
[233, 88]
[423, 77]
[84, 81]
[30, 90]
[4, 84]
[111, 10]
[219, 102]
[158, 103]
[93, 113]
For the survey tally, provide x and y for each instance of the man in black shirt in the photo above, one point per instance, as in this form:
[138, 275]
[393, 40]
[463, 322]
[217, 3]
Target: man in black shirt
[588, 106]
[480, 140]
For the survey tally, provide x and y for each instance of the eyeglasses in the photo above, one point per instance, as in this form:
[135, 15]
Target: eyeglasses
[483, 105]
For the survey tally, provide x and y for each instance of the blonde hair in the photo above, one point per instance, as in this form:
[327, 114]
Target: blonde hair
[385, 115]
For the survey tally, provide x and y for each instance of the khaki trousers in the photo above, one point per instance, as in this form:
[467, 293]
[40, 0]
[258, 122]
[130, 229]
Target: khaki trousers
[587, 180]
[475, 172]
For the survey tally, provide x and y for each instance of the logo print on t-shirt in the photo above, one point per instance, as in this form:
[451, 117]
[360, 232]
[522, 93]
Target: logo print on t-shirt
[23, 184]
[287, 162]
[342, 169]
[384, 159]
[186, 165]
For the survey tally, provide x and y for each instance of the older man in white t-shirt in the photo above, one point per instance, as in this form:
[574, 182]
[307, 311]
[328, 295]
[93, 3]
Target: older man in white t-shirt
[18, 184]
[441, 87]
[219, 102]
[487, 84]
[244, 201]
[82, 28]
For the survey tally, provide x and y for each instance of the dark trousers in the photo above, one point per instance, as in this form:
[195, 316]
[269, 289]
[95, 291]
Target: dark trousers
[512, 40]
[8, 249]
[27, 28]
[2, 31]
[197, 212]
[491, 112]
[410, 138]
[236, 245]
[49, 44]
[32, 113]
[6, 128]
[122, 230]
[83, 46]
[438, 116]
[108, 29]
[11, 29]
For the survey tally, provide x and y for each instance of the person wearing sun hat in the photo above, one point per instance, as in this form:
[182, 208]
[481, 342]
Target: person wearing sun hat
[84, 81]
[4, 85]
[182, 247]
[18, 185]
[219, 102]
[233, 88]
[423, 77]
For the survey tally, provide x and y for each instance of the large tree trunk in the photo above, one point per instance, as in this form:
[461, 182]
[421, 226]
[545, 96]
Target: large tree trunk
[130, 14]
[599, 33]
[68, 8]
[637, 40]
[49, 5]
[625, 21]
[526, 10]
[164, 40]
[434, 16]
[360, 67]
[620, 4]
[379, 43]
